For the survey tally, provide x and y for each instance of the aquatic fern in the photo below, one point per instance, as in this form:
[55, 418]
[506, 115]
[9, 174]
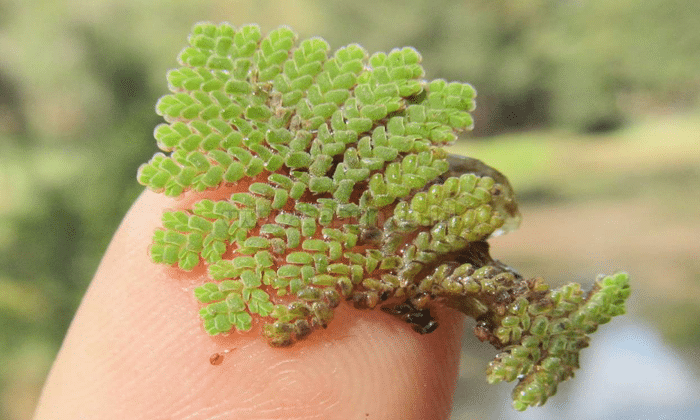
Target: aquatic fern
[347, 195]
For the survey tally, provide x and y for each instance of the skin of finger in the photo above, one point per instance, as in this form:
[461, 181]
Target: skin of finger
[136, 350]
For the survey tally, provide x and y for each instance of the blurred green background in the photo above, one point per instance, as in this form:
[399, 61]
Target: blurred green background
[591, 107]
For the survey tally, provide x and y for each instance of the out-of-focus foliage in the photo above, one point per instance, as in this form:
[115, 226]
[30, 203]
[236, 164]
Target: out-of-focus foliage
[78, 80]
[76, 120]
[584, 64]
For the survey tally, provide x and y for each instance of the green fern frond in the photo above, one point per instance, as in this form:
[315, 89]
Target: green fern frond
[347, 194]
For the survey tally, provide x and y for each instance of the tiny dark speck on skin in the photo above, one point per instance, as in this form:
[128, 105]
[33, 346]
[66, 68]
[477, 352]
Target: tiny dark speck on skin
[218, 358]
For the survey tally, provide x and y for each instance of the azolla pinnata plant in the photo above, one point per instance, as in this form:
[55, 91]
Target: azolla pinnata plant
[348, 195]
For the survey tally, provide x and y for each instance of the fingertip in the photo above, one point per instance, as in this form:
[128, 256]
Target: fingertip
[366, 362]
[136, 351]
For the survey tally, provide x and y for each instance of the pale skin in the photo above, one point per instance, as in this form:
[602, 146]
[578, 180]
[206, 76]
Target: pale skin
[136, 350]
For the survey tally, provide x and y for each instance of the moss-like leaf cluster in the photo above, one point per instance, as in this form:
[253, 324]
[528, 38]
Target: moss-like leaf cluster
[543, 335]
[346, 194]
